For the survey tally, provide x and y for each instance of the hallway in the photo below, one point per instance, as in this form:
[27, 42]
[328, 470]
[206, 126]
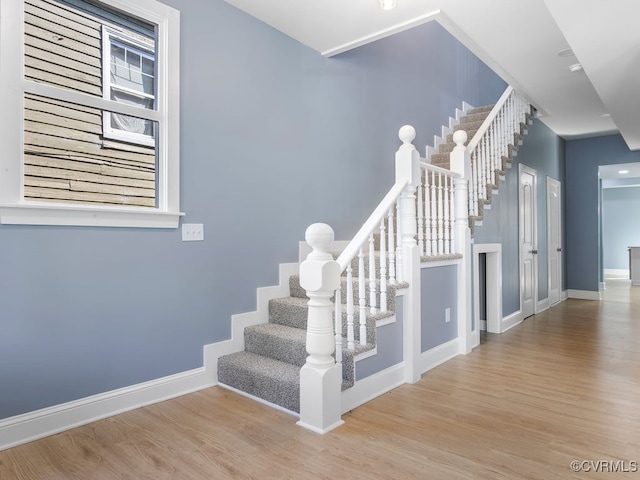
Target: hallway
[562, 386]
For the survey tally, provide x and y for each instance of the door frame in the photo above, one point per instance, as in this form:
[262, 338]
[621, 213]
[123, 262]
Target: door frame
[534, 268]
[551, 183]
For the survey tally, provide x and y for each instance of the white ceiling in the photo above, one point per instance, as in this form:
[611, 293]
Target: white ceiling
[519, 39]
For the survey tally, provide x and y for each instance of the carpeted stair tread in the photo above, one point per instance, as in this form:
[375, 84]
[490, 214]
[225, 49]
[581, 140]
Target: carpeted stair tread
[263, 377]
[287, 344]
[486, 109]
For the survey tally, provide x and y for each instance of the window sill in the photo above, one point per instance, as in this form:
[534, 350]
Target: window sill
[45, 214]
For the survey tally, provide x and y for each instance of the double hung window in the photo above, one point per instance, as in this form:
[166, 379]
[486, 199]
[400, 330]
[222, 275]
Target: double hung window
[89, 124]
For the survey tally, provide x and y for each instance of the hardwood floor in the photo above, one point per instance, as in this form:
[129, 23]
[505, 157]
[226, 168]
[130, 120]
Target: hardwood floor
[562, 386]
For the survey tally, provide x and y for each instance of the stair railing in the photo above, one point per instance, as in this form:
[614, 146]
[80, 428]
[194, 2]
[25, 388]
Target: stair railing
[436, 214]
[392, 221]
[494, 142]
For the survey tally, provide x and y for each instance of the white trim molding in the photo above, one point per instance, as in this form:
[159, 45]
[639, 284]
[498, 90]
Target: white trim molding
[493, 284]
[542, 305]
[31, 426]
[372, 386]
[584, 294]
[13, 85]
[240, 321]
[511, 321]
[617, 272]
[438, 355]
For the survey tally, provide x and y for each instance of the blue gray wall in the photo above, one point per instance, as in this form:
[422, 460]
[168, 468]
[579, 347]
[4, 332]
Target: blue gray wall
[584, 156]
[438, 292]
[274, 138]
[543, 151]
[620, 225]
[389, 347]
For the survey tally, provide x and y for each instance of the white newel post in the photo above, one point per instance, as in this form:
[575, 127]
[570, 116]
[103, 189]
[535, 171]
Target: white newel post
[461, 164]
[408, 168]
[320, 377]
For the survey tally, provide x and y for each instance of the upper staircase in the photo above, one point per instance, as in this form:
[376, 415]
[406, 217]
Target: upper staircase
[427, 215]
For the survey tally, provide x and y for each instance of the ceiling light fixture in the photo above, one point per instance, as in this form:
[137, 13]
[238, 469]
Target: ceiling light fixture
[623, 172]
[387, 4]
[576, 67]
[567, 52]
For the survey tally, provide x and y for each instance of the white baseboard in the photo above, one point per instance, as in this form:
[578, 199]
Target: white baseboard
[542, 305]
[511, 321]
[372, 386]
[438, 355]
[240, 321]
[584, 294]
[31, 426]
[483, 325]
[48, 421]
[616, 272]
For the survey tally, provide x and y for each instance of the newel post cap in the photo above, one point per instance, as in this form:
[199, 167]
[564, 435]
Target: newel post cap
[319, 272]
[407, 135]
[459, 137]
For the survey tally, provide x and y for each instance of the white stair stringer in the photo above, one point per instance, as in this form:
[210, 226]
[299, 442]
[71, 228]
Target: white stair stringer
[446, 130]
[240, 321]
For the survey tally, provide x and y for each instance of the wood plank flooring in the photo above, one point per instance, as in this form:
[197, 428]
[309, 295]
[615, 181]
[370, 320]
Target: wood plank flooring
[562, 386]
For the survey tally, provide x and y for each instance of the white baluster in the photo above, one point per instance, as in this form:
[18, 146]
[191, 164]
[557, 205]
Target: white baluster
[486, 166]
[452, 217]
[421, 215]
[337, 300]
[392, 249]
[383, 268]
[428, 214]
[351, 338]
[372, 276]
[434, 214]
[362, 292]
[473, 199]
[399, 228]
[440, 216]
[447, 221]
[494, 152]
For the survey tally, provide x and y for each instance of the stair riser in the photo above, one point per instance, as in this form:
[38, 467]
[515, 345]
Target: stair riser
[281, 390]
[288, 315]
[285, 350]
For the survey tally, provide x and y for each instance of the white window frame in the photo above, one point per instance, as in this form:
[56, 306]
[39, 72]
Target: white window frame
[13, 86]
[109, 36]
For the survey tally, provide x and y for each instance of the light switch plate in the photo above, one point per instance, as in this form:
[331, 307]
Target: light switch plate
[192, 232]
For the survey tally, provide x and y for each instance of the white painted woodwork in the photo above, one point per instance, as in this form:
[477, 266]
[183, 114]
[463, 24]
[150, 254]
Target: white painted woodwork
[320, 377]
[383, 268]
[554, 240]
[362, 302]
[634, 265]
[528, 241]
[351, 337]
[392, 248]
[372, 276]
[337, 327]
[493, 283]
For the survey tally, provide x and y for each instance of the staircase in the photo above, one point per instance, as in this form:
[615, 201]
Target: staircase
[269, 366]
[422, 218]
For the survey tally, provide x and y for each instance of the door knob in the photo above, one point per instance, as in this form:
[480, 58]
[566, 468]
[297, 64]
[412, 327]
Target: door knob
[559, 249]
[535, 252]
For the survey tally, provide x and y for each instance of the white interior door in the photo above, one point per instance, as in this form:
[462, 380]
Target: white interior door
[528, 242]
[554, 230]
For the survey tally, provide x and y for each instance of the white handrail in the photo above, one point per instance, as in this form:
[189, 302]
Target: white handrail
[487, 121]
[435, 168]
[370, 225]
